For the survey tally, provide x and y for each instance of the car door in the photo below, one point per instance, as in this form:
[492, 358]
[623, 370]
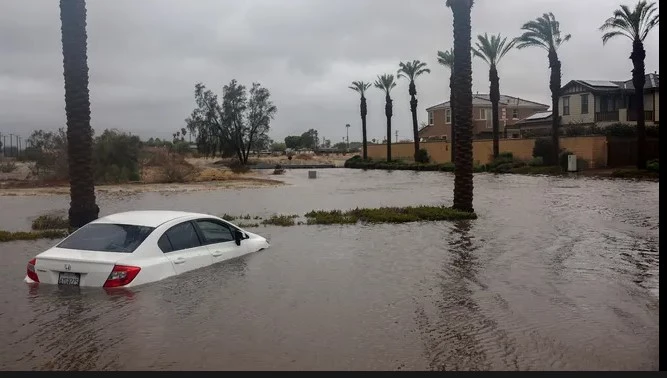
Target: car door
[218, 236]
[183, 247]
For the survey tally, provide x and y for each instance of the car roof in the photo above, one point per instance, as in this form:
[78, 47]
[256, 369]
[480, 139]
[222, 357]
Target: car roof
[148, 218]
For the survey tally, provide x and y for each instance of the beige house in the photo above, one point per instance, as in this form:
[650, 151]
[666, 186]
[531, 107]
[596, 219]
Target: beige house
[607, 102]
[510, 109]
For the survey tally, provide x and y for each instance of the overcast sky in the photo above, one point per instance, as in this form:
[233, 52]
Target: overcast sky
[145, 56]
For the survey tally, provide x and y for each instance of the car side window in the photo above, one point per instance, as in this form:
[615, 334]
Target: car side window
[165, 244]
[215, 232]
[183, 236]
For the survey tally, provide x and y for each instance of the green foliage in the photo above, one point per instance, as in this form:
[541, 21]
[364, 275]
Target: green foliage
[116, 157]
[7, 236]
[248, 225]
[307, 140]
[50, 222]
[635, 174]
[543, 148]
[422, 156]
[280, 220]
[504, 163]
[49, 152]
[536, 162]
[653, 165]
[237, 167]
[388, 215]
[278, 147]
[563, 158]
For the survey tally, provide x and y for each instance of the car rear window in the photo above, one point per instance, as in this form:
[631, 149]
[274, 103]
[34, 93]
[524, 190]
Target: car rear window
[103, 237]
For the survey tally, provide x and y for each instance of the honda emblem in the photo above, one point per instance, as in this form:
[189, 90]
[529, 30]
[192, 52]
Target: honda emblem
[68, 267]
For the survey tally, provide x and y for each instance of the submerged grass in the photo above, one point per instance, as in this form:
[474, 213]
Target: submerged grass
[6, 236]
[50, 222]
[388, 215]
[280, 220]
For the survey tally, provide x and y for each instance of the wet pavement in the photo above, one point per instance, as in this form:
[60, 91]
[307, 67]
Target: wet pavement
[556, 274]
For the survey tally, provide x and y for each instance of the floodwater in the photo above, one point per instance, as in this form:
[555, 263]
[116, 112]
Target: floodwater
[556, 274]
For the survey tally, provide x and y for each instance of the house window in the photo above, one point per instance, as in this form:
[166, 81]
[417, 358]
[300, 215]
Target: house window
[503, 113]
[482, 113]
[515, 113]
[430, 118]
[448, 116]
[584, 104]
[566, 105]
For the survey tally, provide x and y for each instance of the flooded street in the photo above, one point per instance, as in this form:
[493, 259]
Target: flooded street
[556, 274]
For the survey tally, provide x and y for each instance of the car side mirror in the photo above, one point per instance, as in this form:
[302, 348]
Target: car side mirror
[238, 236]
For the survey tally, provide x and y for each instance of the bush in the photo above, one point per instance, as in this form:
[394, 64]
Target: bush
[388, 215]
[50, 222]
[116, 157]
[563, 158]
[181, 147]
[422, 156]
[653, 165]
[7, 167]
[280, 220]
[536, 162]
[237, 167]
[172, 167]
[543, 148]
[6, 236]
[620, 130]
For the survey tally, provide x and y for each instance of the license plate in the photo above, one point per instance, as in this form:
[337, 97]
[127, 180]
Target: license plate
[66, 278]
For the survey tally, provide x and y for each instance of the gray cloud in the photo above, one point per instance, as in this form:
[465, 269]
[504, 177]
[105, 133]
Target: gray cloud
[145, 56]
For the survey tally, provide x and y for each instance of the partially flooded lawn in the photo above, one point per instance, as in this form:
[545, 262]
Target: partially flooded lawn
[556, 273]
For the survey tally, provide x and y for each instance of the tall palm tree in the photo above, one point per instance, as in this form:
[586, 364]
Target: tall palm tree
[462, 91]
[361, 88]
[83, 208]
[386, 83]
[491, 50]
[635, 25]
[411, 71]
[446, 58]
[544, 32]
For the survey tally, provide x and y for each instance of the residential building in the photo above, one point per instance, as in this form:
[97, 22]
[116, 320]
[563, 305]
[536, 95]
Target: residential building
[538, 124]
[510, 109]
[606, 102]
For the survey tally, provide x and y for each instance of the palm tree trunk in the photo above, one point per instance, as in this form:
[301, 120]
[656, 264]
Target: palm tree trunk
[495, 99]
[388, 113]
[554, 85]
[364, 111]
[462, 91]
[452, 125]
[415, 128]
[83, 208]
[638, 80]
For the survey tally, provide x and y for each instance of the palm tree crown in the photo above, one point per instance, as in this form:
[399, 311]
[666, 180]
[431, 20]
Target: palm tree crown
[412, 70]
[446, 58]
[360, 87]
[491, 50]
[543, 32]
[385, 82]
[632, 24]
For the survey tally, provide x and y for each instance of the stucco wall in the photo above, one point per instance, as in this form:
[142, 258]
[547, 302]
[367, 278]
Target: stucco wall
[593, 149]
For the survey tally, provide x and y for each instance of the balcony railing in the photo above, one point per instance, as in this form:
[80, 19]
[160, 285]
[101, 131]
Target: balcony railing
[606, 116]
[648, 115]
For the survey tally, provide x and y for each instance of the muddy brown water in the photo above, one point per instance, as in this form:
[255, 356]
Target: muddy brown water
[556, 274]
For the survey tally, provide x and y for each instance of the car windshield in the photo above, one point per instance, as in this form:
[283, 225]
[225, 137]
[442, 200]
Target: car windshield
[103, 237]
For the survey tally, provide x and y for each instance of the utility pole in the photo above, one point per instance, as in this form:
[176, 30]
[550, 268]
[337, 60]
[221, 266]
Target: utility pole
[11, 144]
[396, 136]
[347, 132]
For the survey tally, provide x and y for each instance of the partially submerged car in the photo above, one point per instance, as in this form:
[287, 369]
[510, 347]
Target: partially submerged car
[137, 247]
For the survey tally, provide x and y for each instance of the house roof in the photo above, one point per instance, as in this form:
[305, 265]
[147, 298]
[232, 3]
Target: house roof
[432, 131]
[535, 119]
[652, 81]
[483, 100]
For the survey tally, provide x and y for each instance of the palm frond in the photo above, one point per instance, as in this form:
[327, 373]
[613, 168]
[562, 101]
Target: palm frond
[412, 70]
[360, 87]
[446, 58]
[385, 82]
[543, 32]
[634, 24]
[492, 49]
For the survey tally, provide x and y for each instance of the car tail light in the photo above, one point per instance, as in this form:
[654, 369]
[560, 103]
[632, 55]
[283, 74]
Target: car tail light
[121, 275]
[31, 270]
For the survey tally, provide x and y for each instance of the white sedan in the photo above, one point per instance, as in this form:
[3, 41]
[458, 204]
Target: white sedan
[137, 247]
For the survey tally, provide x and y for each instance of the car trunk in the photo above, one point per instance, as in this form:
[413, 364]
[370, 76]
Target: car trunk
[67, 266]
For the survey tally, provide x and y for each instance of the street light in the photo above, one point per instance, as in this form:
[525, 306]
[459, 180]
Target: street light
[347, 133]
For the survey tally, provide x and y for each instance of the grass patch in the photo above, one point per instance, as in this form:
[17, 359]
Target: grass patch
[231, 218]
[248, 225]
[50, 222]
[388, 215]
[6, 236]
[280, 220]
[635, 174]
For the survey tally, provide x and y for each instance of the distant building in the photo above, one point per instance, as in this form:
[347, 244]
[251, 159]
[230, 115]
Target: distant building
[511, 110]
[536, 124]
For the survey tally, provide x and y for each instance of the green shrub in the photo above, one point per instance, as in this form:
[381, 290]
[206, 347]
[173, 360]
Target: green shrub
[544, 148]
[563, 158]
[620, 130]
[116, 157]
[388, 215]
[447, 167]
[50, 222]
[7, 167]
[536, 161]
[653, 165]
[280, 220]
[6, 236]
[652, 131]
[422, 156]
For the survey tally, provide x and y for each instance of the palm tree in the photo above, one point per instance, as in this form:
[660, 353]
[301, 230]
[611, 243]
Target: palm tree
[544, 32]
[635, 25]
[83, 208]
[462, 92]
[361, 88]
[387, 83]
[411, 71]
[446, 59]
[491, 50]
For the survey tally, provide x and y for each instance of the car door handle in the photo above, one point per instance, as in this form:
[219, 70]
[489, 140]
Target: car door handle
[216, 253]
[179, 260]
